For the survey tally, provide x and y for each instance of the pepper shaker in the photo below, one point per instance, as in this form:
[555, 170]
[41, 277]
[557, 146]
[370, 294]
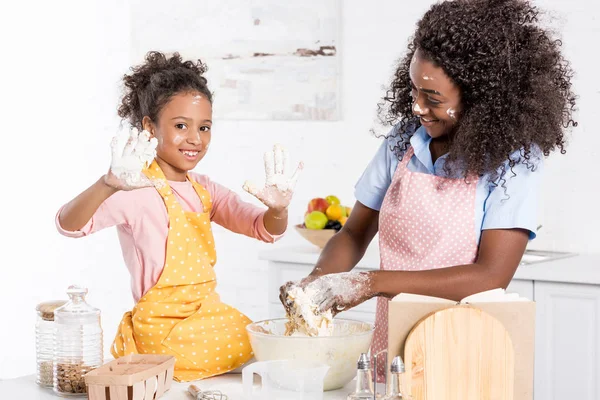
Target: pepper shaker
[396, 389]
[364, 380]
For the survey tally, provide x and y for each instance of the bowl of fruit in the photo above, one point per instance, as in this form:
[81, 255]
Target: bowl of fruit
[324, 217]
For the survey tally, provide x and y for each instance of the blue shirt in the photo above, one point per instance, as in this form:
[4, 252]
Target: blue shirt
[495, 207]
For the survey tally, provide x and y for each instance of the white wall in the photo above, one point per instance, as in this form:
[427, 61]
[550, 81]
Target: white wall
[61, 67]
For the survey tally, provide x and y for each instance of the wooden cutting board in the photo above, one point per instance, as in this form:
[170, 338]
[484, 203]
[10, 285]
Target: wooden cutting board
[460, 353]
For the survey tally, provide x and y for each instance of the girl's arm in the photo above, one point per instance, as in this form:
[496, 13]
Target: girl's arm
[276, 221]
[76, 214]
[130, 153]
[278, 190]
[236, 215]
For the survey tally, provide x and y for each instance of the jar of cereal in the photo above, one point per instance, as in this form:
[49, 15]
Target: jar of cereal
[77, 345]
[44, 341]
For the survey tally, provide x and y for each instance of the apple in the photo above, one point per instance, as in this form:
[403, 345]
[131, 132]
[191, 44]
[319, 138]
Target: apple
[331, 199]
[315, 220]
[318, 204]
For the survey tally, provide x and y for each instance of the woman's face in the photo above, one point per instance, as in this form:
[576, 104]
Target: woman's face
[183, 132]
[436, 99]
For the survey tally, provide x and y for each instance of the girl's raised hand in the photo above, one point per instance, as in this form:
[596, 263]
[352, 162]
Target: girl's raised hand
[131, 153]
[279, 186]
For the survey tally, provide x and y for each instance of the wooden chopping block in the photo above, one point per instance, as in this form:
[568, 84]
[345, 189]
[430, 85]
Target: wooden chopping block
[460, 353]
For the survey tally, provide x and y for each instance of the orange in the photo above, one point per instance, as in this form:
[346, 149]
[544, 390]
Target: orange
[335, 212]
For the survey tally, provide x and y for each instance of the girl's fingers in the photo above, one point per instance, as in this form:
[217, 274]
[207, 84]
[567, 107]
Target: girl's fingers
[252, 189]
[149, 151]
[294, 178]
[118, 144]
[278, 154]
[269, 158]
[142, 144]
[131, 143]
[286, 162]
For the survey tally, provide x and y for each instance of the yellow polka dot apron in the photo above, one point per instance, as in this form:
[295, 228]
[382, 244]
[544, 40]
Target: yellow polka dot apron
[182, 315]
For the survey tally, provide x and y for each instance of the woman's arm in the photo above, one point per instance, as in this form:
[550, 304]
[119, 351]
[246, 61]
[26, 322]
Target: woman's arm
[345, 249]
[500, 253]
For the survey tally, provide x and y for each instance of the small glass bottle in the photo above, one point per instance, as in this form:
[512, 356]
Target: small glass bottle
[77, 345]
[44, 341]
[364, 380]
[395, 388]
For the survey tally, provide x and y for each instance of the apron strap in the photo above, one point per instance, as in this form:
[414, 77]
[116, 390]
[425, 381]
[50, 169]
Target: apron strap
[155, 173]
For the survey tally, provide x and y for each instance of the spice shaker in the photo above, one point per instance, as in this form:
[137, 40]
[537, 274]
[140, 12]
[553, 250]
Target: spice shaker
[364, 380]
[396, 389]
[44, 341]
[77, 344]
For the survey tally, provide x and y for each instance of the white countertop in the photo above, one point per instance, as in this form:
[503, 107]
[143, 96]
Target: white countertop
[25, 388]
[570, 268]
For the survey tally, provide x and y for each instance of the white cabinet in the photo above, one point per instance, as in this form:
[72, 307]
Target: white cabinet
[523, 287]
[567, 352]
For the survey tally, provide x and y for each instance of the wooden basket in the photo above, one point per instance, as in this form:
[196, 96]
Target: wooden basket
[133, 377]
[318, 237]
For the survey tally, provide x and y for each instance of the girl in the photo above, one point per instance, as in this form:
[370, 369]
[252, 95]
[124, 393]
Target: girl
[482, 94]
[163, 216]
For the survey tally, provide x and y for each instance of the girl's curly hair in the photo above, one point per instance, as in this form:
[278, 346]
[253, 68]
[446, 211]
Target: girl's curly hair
[515, 85]
[152, 84]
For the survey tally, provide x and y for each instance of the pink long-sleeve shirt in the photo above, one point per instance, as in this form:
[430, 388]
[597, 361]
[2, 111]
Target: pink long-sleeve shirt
[143, 224]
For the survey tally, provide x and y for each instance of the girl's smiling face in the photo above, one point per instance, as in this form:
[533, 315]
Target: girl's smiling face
[183, 131]
[436, 99]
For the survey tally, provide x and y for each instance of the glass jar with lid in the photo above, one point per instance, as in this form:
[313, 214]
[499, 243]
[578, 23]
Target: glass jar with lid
[44, 341]
[77, 345]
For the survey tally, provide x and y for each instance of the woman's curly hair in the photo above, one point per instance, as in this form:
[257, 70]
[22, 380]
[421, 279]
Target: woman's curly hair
[152, 84]
[515, 85]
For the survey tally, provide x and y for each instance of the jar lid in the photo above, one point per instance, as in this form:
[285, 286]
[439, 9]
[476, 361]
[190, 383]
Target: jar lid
[46, 309]
[76, 308]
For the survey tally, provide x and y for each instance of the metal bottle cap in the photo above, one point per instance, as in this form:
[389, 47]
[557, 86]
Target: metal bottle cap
[397, 365]
[364, 362]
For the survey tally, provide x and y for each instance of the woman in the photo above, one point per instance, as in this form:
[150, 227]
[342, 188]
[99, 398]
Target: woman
[481, 96]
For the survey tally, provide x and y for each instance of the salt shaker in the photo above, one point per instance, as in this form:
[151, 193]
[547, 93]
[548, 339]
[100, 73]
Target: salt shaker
[44, 341]
[364, 380]
[77, 344]
[396, 390]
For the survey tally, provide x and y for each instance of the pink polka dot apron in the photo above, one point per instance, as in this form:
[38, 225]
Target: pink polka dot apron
[425, 222]
[182, 315]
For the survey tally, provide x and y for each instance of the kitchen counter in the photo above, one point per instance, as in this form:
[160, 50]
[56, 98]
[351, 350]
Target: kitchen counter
[25, 388]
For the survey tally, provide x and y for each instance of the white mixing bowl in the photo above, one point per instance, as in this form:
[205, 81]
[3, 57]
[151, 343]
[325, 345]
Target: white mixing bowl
[340, 351]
